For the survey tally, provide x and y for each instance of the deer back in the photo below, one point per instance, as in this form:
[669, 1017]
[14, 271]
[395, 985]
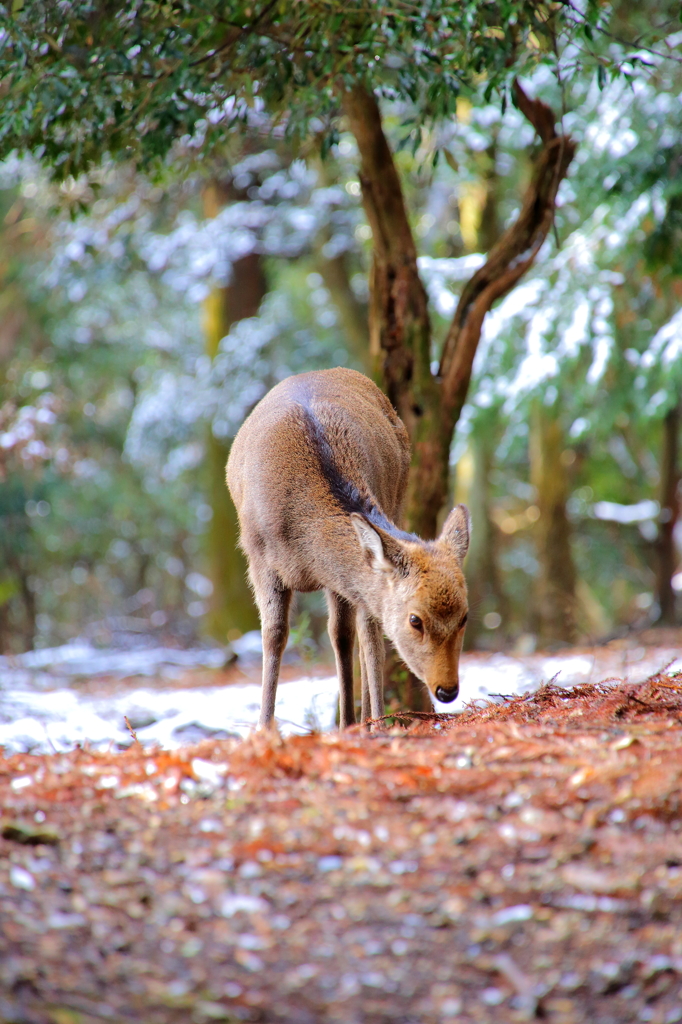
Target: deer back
[317, 448]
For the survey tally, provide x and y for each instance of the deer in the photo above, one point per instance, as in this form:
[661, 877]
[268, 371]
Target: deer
[318, 473]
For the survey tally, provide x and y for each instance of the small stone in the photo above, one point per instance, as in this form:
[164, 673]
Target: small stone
[21, 878]
[492, 996]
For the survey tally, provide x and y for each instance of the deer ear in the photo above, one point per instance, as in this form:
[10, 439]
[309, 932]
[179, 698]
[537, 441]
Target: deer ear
[456, 531]
[382, 550]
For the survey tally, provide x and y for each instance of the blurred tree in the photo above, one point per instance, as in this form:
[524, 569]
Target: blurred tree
[20, 326]
[334, 262]
[17, 600]
[549, 473]
[668, 516]
[663, 259]
[486, 594]
[232, 609]
[334, 271]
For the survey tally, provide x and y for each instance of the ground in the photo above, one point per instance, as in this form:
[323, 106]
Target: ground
[521, 860]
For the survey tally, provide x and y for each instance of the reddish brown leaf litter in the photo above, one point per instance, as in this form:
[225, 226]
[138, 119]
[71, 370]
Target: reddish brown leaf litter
[520, 861]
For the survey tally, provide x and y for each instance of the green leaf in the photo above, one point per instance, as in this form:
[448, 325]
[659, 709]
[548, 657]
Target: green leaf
[450, 160]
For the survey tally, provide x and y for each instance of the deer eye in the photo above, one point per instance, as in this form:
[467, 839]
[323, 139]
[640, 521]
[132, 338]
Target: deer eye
[464, 620]
[416, 623]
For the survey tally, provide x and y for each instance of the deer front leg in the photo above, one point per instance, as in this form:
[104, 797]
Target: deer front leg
[273, 604]
[365, 713]
[372, 648]
[341, 627]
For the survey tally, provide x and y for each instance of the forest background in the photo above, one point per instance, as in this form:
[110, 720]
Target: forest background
[157, 280]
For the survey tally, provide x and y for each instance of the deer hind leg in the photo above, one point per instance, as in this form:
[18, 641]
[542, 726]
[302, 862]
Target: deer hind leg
[372, 661]
[273, 602]
[341, 627]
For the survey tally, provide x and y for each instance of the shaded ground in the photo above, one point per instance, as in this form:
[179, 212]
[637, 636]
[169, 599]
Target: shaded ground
[518, 861]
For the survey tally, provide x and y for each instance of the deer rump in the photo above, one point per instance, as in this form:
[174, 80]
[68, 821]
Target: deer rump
[318, 473]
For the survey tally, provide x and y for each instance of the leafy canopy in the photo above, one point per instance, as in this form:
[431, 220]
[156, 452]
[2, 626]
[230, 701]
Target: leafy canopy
[79, 79]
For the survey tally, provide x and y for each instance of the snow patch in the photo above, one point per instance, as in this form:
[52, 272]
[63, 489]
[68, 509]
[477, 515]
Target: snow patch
[41, 711]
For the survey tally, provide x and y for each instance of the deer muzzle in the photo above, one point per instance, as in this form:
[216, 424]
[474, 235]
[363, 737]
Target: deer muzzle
[446, 696]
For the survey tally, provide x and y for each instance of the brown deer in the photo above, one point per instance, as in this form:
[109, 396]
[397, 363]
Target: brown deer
[318, 472]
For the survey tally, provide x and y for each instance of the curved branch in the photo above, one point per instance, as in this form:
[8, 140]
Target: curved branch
[510, 257]
[538, 113]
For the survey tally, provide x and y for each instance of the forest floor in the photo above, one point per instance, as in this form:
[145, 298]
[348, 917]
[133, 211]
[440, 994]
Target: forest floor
[521, 860]
[53, 699]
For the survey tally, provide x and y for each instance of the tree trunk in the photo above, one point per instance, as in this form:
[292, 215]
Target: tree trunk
[399, 324]
[400, 330]
[232, 610]
[556, 602]
[670, 510]
[29, 600]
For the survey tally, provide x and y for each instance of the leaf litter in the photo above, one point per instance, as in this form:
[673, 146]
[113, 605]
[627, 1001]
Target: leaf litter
[521, 860]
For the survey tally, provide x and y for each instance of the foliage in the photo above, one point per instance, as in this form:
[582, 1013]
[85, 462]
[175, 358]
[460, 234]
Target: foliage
[80, 80]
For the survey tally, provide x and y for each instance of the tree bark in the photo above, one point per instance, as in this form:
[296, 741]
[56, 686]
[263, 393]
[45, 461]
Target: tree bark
[670, 510]
[400, 330]
[555, 598]
[232, 610]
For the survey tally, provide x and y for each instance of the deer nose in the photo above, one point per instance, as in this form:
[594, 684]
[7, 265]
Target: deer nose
[446, 696]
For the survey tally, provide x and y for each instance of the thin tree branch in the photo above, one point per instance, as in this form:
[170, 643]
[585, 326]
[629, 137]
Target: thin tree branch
[538, 113]
[631, 43]
[510, 257]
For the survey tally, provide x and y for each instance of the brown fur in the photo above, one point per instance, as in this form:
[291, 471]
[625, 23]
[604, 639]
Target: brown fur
[318, 473]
